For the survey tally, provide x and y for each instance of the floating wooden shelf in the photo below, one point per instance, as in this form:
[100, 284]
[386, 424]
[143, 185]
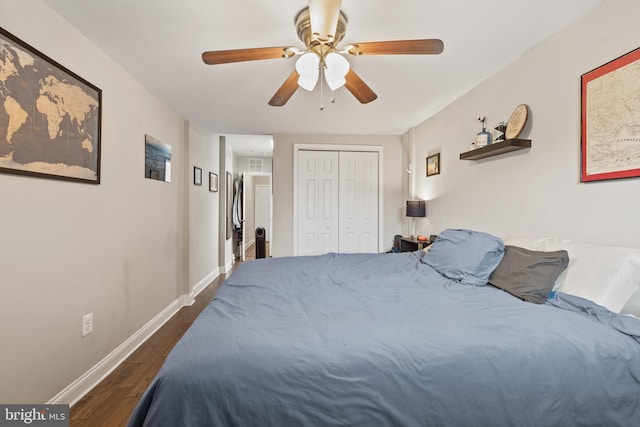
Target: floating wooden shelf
[496, 148]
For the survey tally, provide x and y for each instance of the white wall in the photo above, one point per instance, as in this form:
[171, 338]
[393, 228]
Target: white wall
[534, 192]
[203, 209]
[242, 163]
[392, 170]
[119, 249]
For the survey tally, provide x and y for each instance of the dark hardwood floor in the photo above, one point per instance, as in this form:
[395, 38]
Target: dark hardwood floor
[111, 402]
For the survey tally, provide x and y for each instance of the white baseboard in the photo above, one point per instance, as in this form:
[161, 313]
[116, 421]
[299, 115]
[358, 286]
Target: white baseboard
[227, 268]
[87, 381]
[248, 244]
[199, 287]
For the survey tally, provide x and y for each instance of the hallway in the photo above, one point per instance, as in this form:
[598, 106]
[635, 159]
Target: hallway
[250, 253]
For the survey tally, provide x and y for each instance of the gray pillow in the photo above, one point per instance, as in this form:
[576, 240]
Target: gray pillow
[465, 256]
[529, 275]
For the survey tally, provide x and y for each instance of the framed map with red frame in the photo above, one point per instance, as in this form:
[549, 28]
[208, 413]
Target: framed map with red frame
[610, 120]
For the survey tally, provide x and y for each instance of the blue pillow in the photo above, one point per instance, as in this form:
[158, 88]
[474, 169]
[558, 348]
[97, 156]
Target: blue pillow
[465, 256]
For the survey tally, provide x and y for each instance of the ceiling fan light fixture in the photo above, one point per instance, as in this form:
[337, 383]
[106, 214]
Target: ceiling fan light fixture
[324, 15]
[307, 67]
[337, 69]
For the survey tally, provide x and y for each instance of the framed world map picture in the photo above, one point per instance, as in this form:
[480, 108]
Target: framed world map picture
[50, 118]
[610, 142]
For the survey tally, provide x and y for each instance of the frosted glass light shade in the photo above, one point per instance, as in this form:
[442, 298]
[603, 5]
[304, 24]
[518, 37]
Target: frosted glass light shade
[337, 69]
[307, 67]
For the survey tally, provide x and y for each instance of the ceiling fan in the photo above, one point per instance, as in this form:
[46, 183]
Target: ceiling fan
[321, 27]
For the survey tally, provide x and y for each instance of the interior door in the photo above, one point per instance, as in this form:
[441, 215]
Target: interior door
[317, 202]
[358, 202]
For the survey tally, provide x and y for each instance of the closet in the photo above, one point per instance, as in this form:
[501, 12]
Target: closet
[337, 201]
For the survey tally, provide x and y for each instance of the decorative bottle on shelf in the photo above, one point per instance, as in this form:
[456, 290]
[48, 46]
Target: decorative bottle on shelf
[500, 130]
[483, 138]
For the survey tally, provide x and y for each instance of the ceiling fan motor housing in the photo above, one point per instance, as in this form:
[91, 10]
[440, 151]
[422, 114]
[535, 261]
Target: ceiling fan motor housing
[303, 25]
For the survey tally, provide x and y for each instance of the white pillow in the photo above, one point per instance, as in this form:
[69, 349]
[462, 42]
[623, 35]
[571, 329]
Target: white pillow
[633, 305]
[606, 275]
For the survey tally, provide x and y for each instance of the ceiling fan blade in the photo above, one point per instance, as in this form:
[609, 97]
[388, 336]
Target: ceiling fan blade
[216, 57]
[286, 91]
[359, 88]
[398, 47]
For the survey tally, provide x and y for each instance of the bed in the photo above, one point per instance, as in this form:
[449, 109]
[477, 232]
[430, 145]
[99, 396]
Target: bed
[408, 339]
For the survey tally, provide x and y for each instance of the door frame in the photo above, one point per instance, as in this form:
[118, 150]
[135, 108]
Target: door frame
[338, 147]
[244, 206]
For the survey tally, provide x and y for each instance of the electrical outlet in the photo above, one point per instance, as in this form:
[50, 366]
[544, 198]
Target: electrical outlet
[87, 324]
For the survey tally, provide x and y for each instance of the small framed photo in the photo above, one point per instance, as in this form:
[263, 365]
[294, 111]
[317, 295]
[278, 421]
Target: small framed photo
[433, 164]
[213, 182]
[197, 176]
[157, 159]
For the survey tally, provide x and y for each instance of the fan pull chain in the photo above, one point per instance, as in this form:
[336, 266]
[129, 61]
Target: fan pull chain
[322, 67]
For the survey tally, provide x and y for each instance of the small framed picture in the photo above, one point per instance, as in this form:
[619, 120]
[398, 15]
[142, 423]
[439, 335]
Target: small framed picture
[157, 159]
[433, 164]
[213, 182]
[197, 176]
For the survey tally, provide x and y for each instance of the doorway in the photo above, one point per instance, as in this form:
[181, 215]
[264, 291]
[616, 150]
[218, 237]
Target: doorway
[256, 211]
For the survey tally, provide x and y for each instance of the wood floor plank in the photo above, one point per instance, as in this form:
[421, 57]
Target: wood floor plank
[111, 402]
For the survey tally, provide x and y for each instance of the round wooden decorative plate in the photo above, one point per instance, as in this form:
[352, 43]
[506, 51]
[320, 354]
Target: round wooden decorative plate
[517, 121]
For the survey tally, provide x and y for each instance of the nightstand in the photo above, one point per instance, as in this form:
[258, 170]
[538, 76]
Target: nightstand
[408, 244]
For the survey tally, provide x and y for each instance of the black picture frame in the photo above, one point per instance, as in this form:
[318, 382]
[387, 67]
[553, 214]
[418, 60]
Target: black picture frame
[55, 139]
[197, 176]
[213, 182]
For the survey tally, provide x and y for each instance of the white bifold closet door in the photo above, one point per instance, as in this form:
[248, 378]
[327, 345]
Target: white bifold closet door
[337, 202]
[358, 188]
[317, 202]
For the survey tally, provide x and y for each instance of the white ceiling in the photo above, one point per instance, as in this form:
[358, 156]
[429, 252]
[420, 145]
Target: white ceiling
[251, 145]
[160, 43]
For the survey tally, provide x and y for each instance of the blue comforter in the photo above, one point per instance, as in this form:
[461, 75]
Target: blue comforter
[385, 340]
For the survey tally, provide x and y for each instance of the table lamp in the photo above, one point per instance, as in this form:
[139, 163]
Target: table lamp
[416, 209]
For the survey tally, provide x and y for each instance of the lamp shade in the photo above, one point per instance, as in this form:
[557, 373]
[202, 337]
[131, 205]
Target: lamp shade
[416, 208]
